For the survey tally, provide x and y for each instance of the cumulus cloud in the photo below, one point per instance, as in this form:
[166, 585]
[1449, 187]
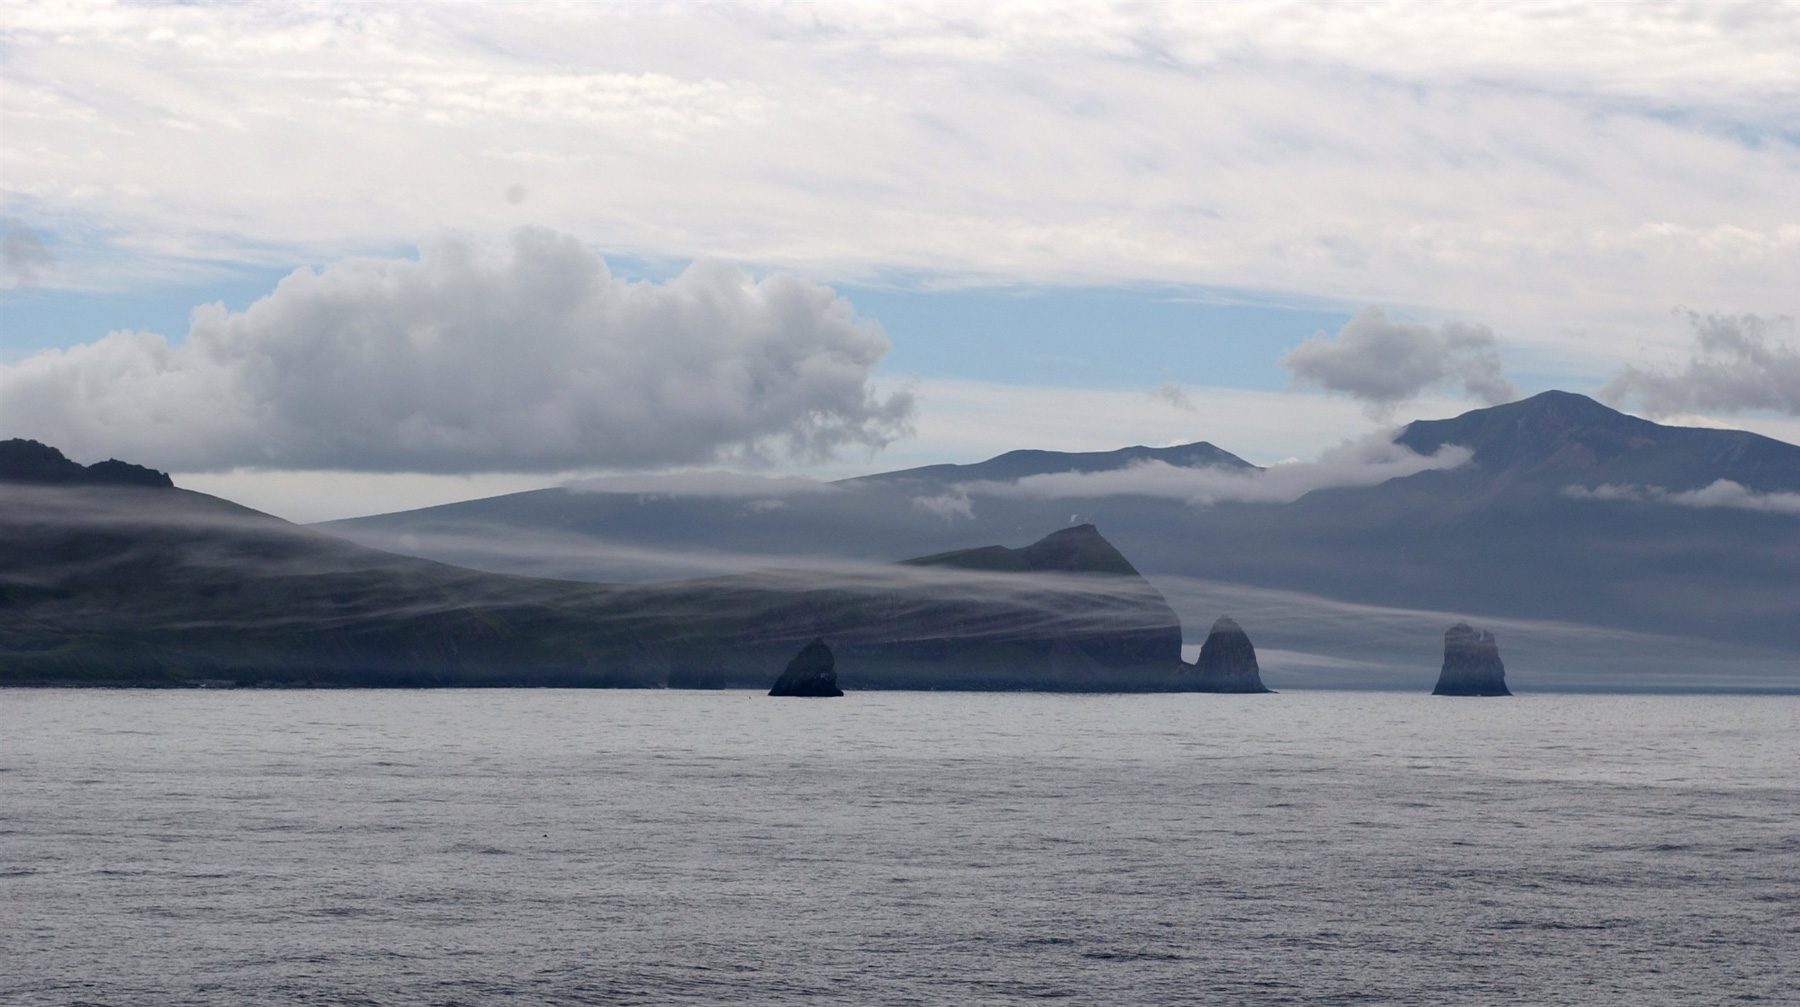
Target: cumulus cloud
[470, 358]
[1720, 493]
[1738, 364]
[1364, 462]
[1382, 363]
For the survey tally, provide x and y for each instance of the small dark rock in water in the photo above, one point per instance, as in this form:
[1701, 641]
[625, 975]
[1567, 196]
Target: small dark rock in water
[1227, 661]
[1471, 664]
[812, 672]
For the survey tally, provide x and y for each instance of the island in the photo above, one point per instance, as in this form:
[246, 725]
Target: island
[812, 672]
[1471, 664]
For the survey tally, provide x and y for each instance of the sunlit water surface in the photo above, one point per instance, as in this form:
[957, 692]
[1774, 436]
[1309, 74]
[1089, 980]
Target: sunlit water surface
[548, 847]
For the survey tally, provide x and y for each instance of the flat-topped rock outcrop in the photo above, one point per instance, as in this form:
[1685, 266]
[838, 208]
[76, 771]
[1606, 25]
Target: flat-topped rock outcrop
[812, 672]
[1471, 664]
[1227, 662]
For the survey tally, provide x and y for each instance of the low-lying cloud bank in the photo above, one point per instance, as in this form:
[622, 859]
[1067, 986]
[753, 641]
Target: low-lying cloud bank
[710, 483]
[1365, 462]
[1721, 493]
[1739, 363]
[528, 358]
[1382, 363]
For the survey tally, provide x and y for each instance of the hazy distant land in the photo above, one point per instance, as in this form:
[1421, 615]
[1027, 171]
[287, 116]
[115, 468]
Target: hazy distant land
[1607, 551]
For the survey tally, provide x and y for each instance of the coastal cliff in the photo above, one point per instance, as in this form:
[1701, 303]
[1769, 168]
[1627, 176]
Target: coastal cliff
[1471, 664]
[812, 672]
[1227, 662]
[109, 575]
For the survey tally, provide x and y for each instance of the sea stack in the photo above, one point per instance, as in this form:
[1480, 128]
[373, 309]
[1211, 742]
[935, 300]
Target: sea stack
[1471, 664]
[1227, 661]
[812, 672]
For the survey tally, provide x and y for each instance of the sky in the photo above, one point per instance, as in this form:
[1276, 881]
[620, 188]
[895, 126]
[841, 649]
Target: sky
[340, 259]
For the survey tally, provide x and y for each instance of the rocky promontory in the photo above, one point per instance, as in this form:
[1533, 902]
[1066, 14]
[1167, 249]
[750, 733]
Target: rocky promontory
[1227, 662]
[812, 672]
[1471, 664]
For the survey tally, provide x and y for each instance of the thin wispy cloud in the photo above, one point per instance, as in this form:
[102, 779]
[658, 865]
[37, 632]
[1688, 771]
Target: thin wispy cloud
[1540, 168]
[1719, 493]
[24, 257]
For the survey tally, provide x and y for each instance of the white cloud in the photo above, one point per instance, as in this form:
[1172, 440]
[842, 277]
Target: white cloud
[948, 505]
[1736, 366]
[1720, 493]
[1538, 168]
[1365, 462]
[1382, 363]
[526, 358]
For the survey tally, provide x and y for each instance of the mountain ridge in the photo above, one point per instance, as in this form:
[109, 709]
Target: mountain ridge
[145, 585]
[1518, 533]
[1567, 436]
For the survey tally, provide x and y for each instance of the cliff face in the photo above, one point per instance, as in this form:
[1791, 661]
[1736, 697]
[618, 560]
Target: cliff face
[133, 582]
[812, 672]
[1227, 662]
[1471, 664]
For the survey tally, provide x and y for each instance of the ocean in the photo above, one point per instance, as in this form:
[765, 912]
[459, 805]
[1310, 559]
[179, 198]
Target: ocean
[614, 847]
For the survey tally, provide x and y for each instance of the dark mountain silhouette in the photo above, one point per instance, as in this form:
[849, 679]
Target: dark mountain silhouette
[30, 462]
[1080, 549]
[1020, 464]
[1569, 511]
[145, 584]
[1559, 439]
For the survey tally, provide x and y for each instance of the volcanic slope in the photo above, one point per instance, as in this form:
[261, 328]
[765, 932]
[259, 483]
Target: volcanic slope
[110, 575]
[1568, 510]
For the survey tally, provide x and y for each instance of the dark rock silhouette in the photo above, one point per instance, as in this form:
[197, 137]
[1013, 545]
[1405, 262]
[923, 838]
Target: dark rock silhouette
[1471, 664]
[1227, 661]
[1078, 549]
[812, 672]
[26, 461]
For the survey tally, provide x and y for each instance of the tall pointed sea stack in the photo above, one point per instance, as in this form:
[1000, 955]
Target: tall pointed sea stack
[812, 672]
[1471, 664]
[1227, 661]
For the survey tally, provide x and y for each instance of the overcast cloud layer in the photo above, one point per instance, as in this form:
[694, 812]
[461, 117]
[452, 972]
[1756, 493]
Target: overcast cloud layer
[528, 357]
[1566, 173]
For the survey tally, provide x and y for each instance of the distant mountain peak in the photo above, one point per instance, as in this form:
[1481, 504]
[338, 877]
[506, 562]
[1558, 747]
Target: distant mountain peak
[1014, 465]
[1566, 438]
[26, 461]
[1076, 549]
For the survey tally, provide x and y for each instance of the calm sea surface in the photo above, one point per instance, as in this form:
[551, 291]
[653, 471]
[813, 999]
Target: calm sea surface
[548, 847]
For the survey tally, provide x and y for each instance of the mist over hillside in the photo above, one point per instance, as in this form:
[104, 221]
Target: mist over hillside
[111, 576]
[1611, 550]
